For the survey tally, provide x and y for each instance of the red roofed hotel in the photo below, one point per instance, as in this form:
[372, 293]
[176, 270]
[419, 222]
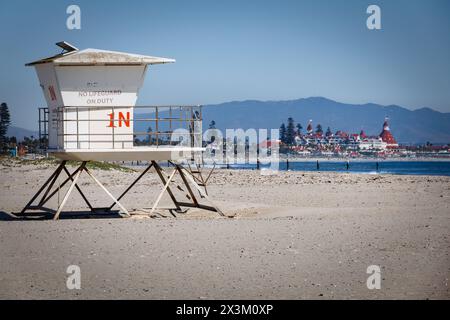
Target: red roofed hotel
[387, 137]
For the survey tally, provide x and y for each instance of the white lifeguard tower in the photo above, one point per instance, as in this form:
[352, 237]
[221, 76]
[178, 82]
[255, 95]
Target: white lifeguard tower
[91, 116]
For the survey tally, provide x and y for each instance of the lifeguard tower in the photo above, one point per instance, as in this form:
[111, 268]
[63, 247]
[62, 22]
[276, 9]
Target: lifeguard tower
[91, 116]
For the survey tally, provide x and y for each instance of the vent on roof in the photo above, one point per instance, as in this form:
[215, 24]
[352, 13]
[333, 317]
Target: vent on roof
[66, 46]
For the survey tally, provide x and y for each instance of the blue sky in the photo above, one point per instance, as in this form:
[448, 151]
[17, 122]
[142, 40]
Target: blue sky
[238, 50]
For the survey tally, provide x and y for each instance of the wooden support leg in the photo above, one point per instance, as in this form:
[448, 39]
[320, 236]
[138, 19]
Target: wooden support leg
[66, 197]
[79, 190]
[210, 173]
[185, 175]
[107, 192]
[166, 186]
[53, 176]
[131, 185]
[193, 198]
[62, 185]
[199, 179]
[60, 168]
[192, 181]
[169, 191]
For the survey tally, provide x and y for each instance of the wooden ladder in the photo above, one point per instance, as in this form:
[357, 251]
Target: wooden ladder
[197, 174]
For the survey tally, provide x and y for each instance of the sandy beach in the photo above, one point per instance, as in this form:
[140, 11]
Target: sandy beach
[294, 235]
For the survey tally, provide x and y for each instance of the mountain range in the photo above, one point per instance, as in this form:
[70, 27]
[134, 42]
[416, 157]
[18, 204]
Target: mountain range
[21, 133]
[407, 126]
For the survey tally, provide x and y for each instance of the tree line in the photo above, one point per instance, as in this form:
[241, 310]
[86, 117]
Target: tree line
[5, 121]
[291, 130]
[32, 144]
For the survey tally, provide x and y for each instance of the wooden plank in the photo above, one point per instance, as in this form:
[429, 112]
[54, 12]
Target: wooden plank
[66, 197]
[62, 166]
[107, 192]
[62, 185]
[166, 186]
[131, 185]
[169, 191]
[79, 190]
[202, 193]
[193, 198]
[41, 189]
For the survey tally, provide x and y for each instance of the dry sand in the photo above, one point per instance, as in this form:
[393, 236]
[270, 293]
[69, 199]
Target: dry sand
[293, 235]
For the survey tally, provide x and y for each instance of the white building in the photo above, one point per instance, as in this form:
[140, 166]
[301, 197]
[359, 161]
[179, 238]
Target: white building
[372, 144]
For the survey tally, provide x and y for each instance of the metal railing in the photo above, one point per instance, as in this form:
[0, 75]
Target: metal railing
[43, 128]
[120, 127]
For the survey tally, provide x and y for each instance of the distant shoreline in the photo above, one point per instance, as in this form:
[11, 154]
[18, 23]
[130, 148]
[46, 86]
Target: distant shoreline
[421, 159]
[315, 159]
[364, 166]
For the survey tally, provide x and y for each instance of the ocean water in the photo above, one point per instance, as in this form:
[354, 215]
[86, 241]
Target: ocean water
[433, 168]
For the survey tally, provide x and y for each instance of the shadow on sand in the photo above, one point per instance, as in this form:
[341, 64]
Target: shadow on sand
[43, 215]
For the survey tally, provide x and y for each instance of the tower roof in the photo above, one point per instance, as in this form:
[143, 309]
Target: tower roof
[362, 134]
[386, 134]
[309, 128]
[100, 57]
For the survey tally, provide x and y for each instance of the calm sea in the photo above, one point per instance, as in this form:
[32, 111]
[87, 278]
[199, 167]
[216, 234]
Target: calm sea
[434, 168]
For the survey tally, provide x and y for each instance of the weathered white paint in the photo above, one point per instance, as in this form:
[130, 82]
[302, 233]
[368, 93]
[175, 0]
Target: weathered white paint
[100, 85]
[132, 154]
[90, 86]
[48, 82]
[92, 78]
